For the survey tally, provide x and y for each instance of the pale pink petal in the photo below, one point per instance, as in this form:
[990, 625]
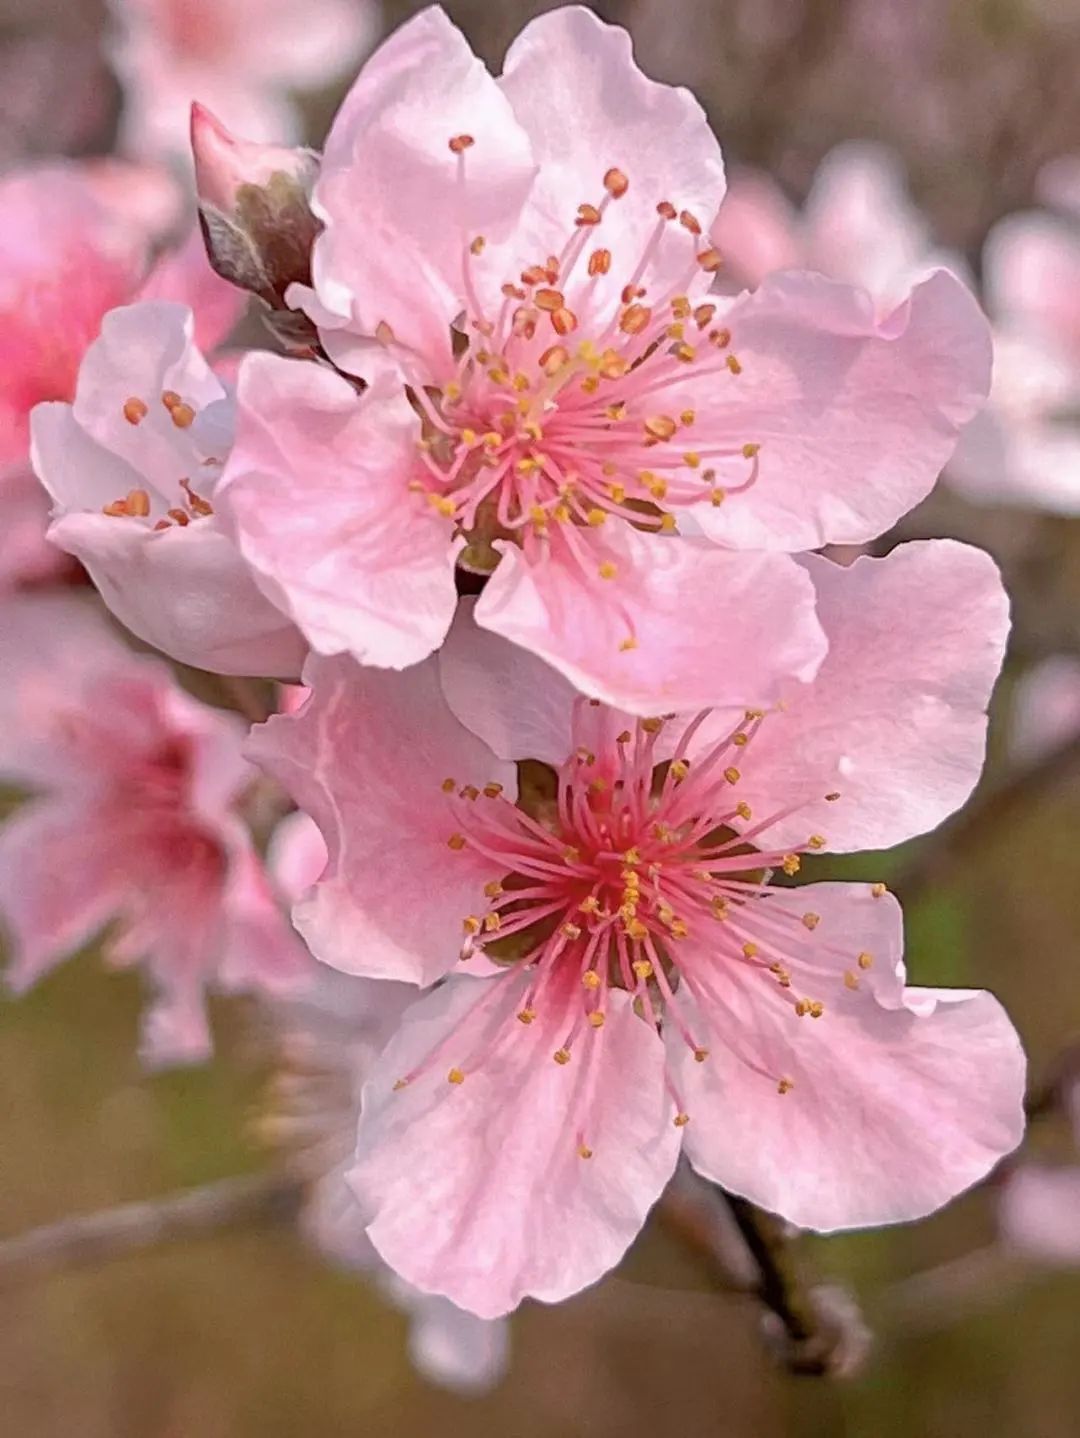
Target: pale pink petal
[756, 230]
[1039, 1213]
[261, 949]
[855, 415]
[316, 496]
[399, 216]
[26, 556]
[895, 721]
[1032, 268]
[366, 757]
[476, 1190]
[296, 854]
[586, 107]
[57, 888]
[452, 1348]
[654, 636]
[184, 275]
[485, 680]
[1045, 708]
[174, 1032]
[892, 1105]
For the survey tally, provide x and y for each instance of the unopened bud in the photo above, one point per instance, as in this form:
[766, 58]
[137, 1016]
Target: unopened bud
[254, 207]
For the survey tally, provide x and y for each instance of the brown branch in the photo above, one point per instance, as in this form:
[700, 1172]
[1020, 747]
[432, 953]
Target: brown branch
[134, 1227]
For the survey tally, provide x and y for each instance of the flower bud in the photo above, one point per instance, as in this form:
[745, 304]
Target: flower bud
[254, 207]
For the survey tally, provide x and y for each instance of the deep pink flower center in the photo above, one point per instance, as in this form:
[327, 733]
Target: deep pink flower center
[564, 411]
[643, 871]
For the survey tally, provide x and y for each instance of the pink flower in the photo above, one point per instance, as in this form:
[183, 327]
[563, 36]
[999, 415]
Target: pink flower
[240, 57]
[1039, 1212]
[1045, 707]
[132, 466]
[858, 225]
[328, 1038]
[1025, 446]
[612, 906]
[76, 242]
[519, 268]
[131, 825]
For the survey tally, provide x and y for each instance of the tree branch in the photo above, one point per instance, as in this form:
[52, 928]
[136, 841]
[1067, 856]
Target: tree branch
[133, 1227]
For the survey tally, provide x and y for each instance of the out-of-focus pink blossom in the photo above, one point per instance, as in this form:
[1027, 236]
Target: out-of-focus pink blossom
[330, 1036]
[1058, 183]
[520, 269]
[242, 58]
[1024, 448]
[629, 977]
[858, 225]
[75, 242]
[1046, 707]
[131, 828]
[132, 466]
[1039, 1212]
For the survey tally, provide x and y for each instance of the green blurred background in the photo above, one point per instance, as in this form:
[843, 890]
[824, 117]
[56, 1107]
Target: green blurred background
[246, 1334]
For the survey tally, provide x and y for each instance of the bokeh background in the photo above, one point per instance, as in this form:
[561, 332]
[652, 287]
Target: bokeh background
[246, 1333]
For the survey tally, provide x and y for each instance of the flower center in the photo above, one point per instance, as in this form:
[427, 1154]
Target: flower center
[140, 503]
[565, 410]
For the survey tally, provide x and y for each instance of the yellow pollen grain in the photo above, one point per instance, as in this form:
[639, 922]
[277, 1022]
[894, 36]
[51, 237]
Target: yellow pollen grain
[732, 775]
[816, 841]
[455, 1076]
[865, 961]
[561, 1056]
[596, 517]
[643, 969]
[607, 570]
[526, 1016]
[596, 1018]
[456, 841]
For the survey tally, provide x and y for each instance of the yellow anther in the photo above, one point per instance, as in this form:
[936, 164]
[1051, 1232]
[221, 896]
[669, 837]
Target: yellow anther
[452, 391]
[469, 791]
[526, 1016]
[658, 488]
[681, 1120]
[851, 981]
[632, 856]
[571, 855]
[590, 904]
[549, 300]
[493, 790]
[584, 1151]
[615, 412]
[538, 515]
[590, 384]
[784, 1086]
[599, 262]
[791, 864]
[636, 929]
[591, 979]
[561, 1056]
[607, 570]
[741, 740]
[700, 1055]
[750, 950]
[596, 517]
[733, 365]
[476, 246]
[626, 644]
[634, 319]
[684, 353]
[617, 492]
[659, 427]
[811, 921]
[692, 459]
[717, 497]
[616, 183]
[596, 1018]
[675, 331]
[442, 504]
[652, 726]
[135, 410]
[564, 322]
[743, 810]
[643, 969]
[570, 931]
[732, 775]
[554, 359]
[455, 1076]
[456, 841]
[865, 961]
[816, 841]
[401, 1083]
[471, 924]
[802, 1008]
[469, 437]
[719, 908]
[493, 889]
[816, 1009]
[492, 922]
[750, 450]
[679, 770]
[668, 524]
[879, 890]
[448, 786]
[678, 929]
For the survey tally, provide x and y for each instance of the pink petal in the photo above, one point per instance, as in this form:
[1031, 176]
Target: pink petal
[451, 1348]
[1045, 708]
[896, 1103]
[666, 595]
[316, 496]
[586, 107]
[1032, 267]
[855, 416]
[476, 1190]
[895, 721]
[756, 230]
[398, 216]
[366, 757]
[1039, 1213]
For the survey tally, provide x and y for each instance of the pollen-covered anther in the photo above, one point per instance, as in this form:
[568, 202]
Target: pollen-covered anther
[455, 1076]
[791, 864]
[710, 260]
[471, 924]
[616, 183]
[865, 961]
[460, 143]
[477, 244]
[607, 570]
[561, 1056]
[554, 359]
[811, 921]
[634, 319]
[732, 775]
[659, 427]
[564, 321]
[590, 979]
[599, 263]
[851, 980]
[456, 842]
[816, 841]
[135, 410]
[492, 791]
[137, 503]
[492, 923]
[667, 211]
[750, 950]
[784, 1085]
[596, 1018]
[182, 415]
[681, 1120]
[643, 969]
[879, 890]
[571, 931]
[733, 364]
[587, 215]
[526, 1016]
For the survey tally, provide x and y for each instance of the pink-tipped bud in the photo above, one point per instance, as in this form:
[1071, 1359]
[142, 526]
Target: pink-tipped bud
[255, 208]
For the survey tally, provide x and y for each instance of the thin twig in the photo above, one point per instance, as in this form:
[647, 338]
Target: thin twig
[133, 1227]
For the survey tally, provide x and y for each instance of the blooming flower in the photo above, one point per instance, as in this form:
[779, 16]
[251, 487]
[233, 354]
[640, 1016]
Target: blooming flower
[131, 825]
[327, 1038]
[858, 225]
[132, 466]
[520, 270]
[241, 57]
[630, 974]
[1025, 446]
[75, 243]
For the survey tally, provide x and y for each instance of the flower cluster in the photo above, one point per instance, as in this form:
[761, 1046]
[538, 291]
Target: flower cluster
[530, 506]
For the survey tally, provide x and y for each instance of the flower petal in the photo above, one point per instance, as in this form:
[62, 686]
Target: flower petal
[476, 1190]
[316, 495]
[896, 1102]
[650, 638]
[366, 756]
[855, 415]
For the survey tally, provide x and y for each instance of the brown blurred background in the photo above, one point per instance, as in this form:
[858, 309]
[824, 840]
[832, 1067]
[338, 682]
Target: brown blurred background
[246, 1334]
